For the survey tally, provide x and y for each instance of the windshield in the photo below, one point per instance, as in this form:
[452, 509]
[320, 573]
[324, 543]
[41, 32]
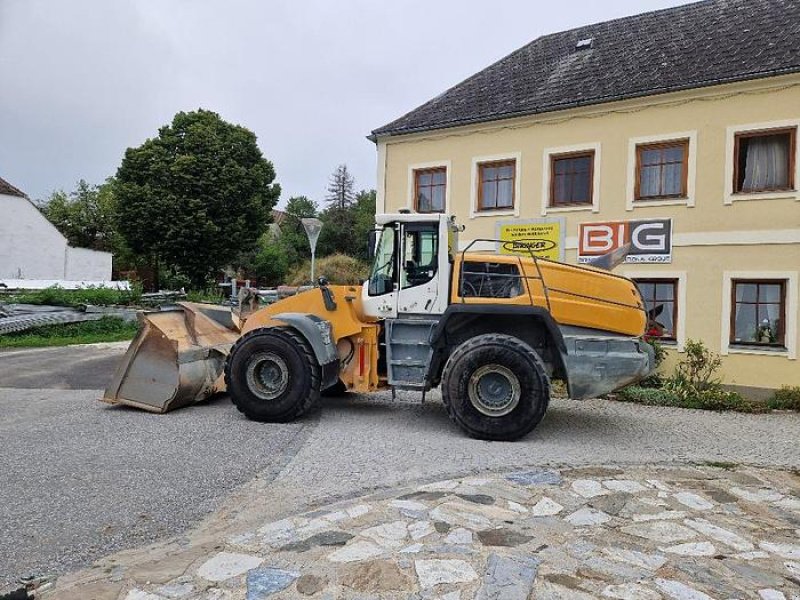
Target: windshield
[381, 280]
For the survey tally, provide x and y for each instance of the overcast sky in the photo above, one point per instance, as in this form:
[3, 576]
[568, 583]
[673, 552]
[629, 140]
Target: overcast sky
[82, 80]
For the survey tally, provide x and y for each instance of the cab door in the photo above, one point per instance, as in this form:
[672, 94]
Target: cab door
[420, 268]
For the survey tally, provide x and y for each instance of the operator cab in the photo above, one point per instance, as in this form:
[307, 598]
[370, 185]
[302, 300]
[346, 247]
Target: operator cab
[411, 266]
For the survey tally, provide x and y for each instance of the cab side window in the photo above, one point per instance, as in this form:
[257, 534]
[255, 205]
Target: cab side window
[420, 255]
[489, 280]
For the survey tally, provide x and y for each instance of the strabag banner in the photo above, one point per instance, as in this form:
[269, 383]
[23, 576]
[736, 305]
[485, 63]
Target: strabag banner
[542, 237]
[650, 240]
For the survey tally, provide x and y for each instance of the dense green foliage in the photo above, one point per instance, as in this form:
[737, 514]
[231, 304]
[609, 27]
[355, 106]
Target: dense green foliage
[86, 216]
[196, 196]
[336, 268]
[107, 329]
[786, 398]
[56, 296]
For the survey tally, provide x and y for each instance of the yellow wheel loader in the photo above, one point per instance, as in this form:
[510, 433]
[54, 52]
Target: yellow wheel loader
[490, 329]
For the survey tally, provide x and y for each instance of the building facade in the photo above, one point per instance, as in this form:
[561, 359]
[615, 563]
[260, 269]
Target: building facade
[617, 134]
[31, 248]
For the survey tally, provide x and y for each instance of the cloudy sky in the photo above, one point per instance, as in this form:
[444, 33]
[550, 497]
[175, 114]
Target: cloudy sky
[82, 80]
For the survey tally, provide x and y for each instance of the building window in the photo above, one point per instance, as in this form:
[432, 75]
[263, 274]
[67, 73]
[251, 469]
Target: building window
[430, 186]
[764, 161]
[662, 170]
[496, 182]
[660, 300]
[571, 178]
[758, 315]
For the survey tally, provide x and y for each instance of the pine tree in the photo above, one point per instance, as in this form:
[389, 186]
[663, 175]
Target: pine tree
[341, 188]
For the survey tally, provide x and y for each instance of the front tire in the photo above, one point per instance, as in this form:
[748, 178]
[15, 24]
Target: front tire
[272, 375]
[495, 387]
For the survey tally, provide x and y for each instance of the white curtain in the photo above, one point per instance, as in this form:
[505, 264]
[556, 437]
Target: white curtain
[767, 163]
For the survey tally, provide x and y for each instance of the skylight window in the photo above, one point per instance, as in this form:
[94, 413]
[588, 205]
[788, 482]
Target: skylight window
[584, 44]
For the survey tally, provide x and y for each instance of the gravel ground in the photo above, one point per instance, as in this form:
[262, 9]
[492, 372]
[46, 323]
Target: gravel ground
[81, 479]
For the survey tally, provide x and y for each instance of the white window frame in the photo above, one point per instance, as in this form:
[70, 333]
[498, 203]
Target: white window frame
[435, 164]
[547, 175]
[691, 176]
[790, 332]
[680, 325]
[730, 147]
[473, 204]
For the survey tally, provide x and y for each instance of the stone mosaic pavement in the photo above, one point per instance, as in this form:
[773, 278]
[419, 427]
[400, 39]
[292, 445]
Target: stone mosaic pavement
[643, 533]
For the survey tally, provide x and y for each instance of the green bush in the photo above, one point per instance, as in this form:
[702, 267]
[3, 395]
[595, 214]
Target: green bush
[57, 296]
[649, 396]
[786, 398]
[336, 268]
[107, 329]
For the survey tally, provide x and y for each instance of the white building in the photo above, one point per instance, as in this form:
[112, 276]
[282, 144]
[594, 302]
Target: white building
[32, 248]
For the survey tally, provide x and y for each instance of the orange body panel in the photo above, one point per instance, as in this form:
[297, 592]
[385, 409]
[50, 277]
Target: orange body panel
[576, 296]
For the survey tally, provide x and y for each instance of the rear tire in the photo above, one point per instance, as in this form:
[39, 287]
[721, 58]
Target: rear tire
[495, 387]
[272, 375]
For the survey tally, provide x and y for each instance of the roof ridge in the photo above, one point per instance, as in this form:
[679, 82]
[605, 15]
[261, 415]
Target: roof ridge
[9, 190]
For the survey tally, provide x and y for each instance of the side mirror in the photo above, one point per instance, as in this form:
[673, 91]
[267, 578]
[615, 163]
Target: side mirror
[372, 242]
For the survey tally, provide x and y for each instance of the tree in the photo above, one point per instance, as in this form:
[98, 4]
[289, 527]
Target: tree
[85, 216]
[196, 196]
[345, 229]
[341, 188]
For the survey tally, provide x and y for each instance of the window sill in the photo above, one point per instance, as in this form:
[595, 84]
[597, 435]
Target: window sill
[494, 213]
[780, 195]
[758, 350]
[688, 202]
[564, 209]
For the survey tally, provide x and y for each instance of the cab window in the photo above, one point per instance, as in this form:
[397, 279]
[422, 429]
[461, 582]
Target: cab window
[383, 276]
[420, 254]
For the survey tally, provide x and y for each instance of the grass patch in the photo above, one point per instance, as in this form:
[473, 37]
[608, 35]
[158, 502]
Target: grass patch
[107, 329]
[786, 398]
[56, 296]
[709, 399]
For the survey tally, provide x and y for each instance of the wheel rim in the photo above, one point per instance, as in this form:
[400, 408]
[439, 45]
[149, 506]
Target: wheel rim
[494, 390]
[267, 375]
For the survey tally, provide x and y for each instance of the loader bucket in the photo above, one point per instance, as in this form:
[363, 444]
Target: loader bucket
[177, 358]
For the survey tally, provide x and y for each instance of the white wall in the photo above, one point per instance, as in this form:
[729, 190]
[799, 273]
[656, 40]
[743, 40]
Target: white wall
[32, 248]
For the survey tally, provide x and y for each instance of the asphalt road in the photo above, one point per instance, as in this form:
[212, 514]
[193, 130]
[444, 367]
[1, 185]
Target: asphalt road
[82, 480]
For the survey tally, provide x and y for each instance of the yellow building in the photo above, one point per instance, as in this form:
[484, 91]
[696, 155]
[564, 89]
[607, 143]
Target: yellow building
[673, 131]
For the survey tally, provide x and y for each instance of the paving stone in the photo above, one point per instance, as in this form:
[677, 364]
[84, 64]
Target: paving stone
[472, 516]
[434, 572]
[517, 507]
[612, 504]
[308, 585]
[721, 496]
[408, 505]
[588, 488]
[502, 537]
[268, 581]
[424, 495]
[664, 532]
[411, 549]
[226, 565]
[692, 549]
[770, 594]
[459, 536]
[601, 568]
[325, 538]
[548, 590]
[680, 591]
[356, 551]
[721, 535]
[546, 508]
[693, 501]
[587, 517]
[535, 478]
[94, 590]
[441, 526]
[358, 511]
[388, 535]
[651, 562]
[375, 576]
[790, 551]
[420, 529]
[477, 498]
[754, 575]
[789, 503]
[597, 472]
[630, 591]
[626, 486]
[508, 578]
[756, 494]
[754, 555]
[142, 595]
[176, 590]
[667, 515]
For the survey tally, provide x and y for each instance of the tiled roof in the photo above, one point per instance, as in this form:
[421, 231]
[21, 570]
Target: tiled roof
[691, 46]
[9, 190]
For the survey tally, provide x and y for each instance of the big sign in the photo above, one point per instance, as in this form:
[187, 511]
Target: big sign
[650, 240]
